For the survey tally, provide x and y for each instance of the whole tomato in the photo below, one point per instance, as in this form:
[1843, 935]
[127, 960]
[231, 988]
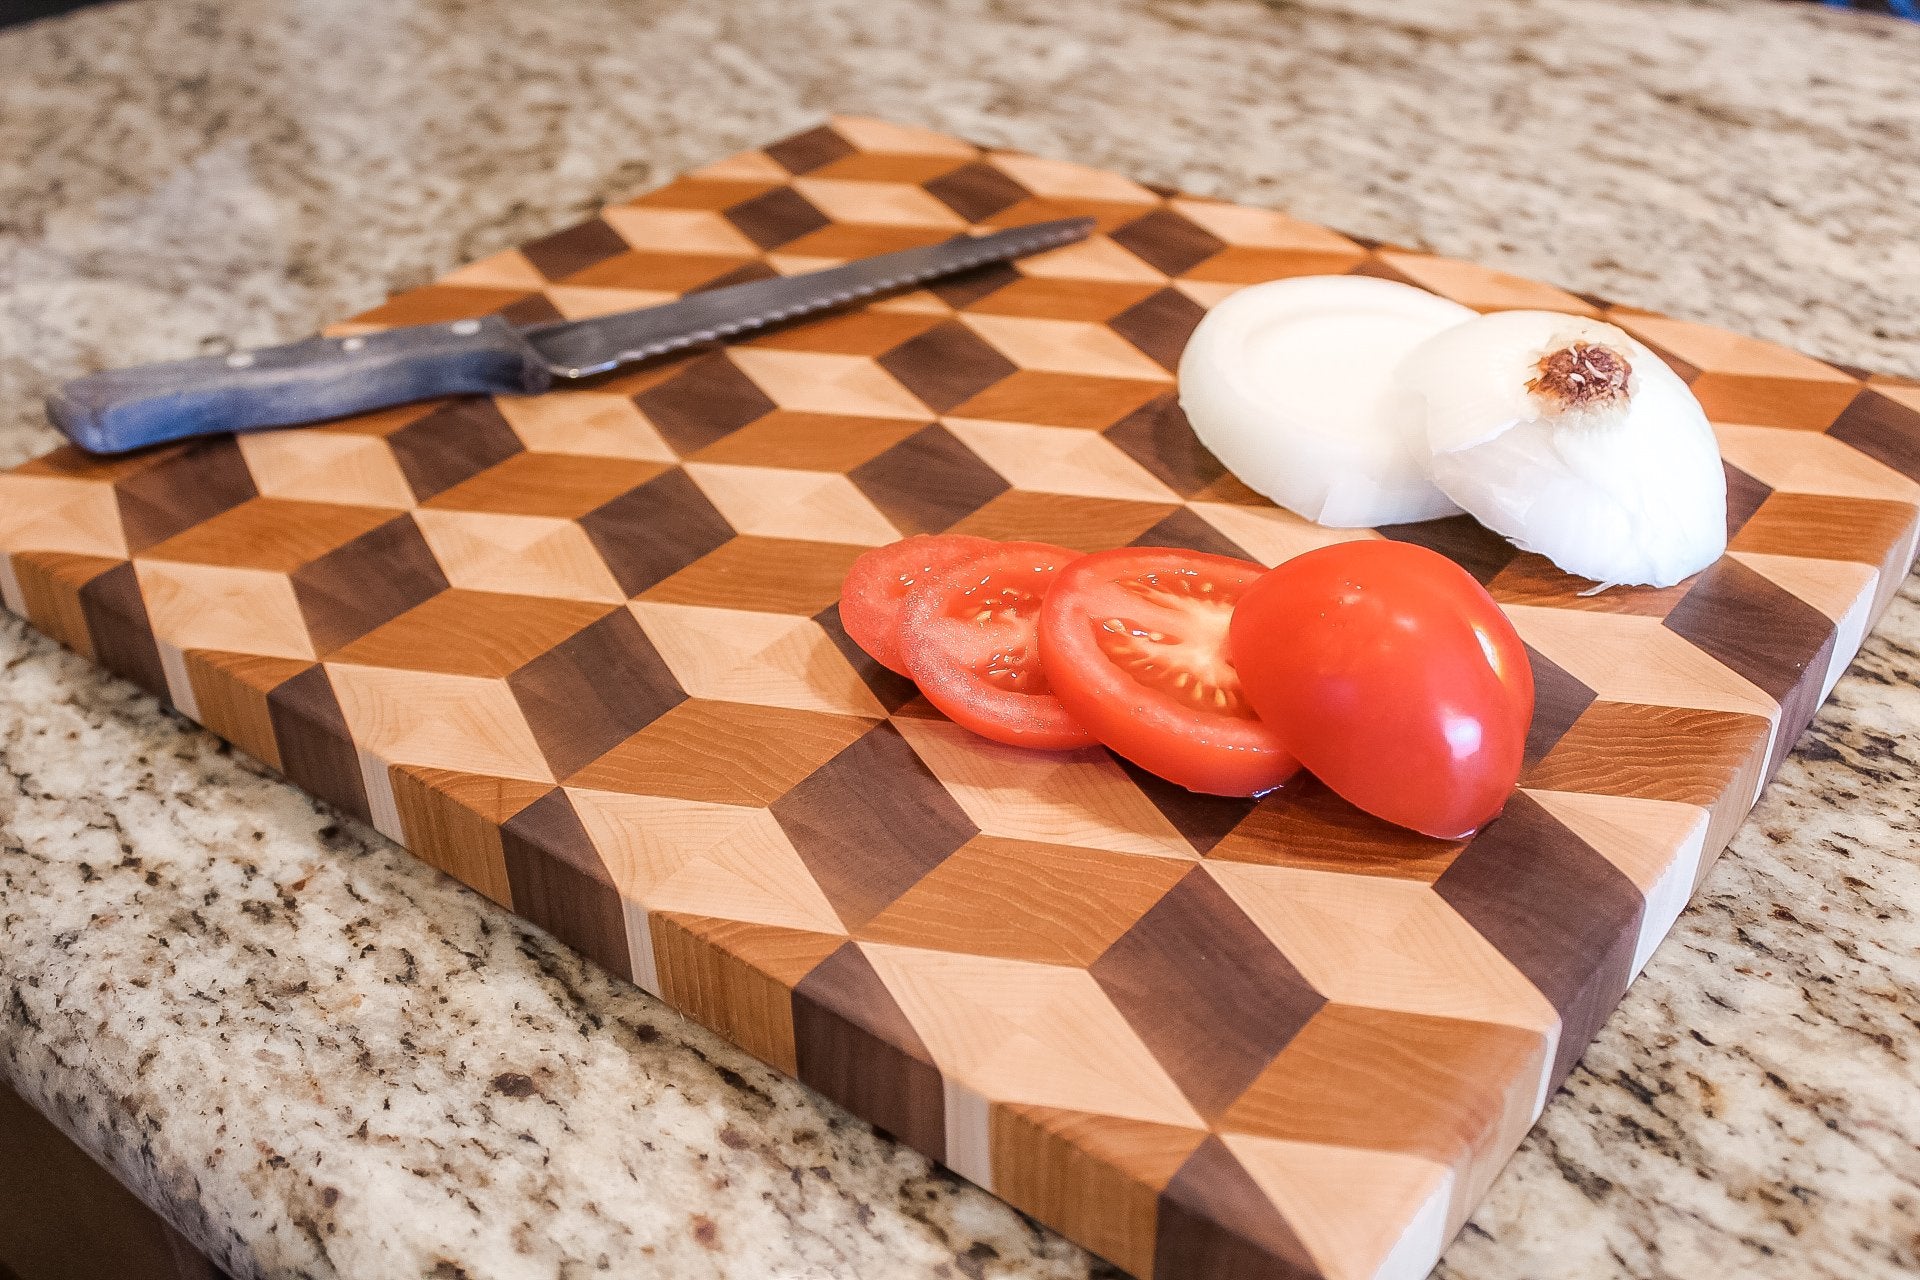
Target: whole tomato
[1392, 676]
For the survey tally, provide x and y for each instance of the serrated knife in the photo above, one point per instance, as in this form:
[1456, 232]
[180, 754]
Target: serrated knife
[320, 378]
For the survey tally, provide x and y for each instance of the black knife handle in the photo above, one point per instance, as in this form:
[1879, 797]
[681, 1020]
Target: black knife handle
[317, 378]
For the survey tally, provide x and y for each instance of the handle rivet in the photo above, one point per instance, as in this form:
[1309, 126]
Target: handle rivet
[353, 344]
[466, 328]
[239, 359]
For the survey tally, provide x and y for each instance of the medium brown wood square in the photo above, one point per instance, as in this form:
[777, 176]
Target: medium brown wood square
[1098, 1175]
[705, 193]
[1248, 264]
[1082, 524]
[1660, 753]
[1532, 579]
[1829, 528]
[808, 441]
[1381, 1079]
[472, 633]
[1054, 904]
[723, 753]
[853, 240]
[1063, 298]
[1306, 825]
[270, 533]
[438, 304]
[1772, 402]
[872, 166]
[230, 690]
[547, 484]
[853, 333]
[767, 575]
[1108, 215]
[737, 977]
[1059, 399]
[672, 272]
[452, 821]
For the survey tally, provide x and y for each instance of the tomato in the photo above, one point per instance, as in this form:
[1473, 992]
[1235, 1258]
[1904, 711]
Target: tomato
[1394, 677]
[1134, 643]
[968, 635]
[878, 583]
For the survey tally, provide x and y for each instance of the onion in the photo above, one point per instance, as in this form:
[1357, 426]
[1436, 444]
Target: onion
[1289, 384]
[1575, 441]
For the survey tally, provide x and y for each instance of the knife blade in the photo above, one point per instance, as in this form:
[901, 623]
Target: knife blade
[315, 379]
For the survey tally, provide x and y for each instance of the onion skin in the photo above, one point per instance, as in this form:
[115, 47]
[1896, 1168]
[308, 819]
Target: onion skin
[1572, 440]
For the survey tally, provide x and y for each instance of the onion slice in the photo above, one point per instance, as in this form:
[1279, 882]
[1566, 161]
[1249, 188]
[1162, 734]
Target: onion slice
[1290, 385]
[1573, 440]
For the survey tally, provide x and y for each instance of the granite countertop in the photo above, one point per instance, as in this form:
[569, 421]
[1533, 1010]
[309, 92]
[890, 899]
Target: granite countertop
[320, 1058]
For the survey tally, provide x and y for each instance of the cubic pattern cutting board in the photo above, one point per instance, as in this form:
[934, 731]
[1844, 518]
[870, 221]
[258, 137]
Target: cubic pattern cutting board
[582, 652]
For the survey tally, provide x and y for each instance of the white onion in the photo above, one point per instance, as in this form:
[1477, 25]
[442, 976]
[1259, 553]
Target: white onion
[1289, 384]
[1575, 441]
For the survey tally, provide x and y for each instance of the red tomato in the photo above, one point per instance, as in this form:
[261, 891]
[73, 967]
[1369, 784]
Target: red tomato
[1394, 677]
[968, 633]
[878, 583]
[1134, 643]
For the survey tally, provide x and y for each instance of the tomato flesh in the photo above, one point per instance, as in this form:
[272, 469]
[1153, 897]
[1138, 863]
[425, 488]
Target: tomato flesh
[1135, 644]
[1394, 677]
[969, 637]
[877, 585]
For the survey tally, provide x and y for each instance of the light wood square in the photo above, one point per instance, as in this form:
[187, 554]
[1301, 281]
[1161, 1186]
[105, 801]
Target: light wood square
[1065, 460]
[204, 606]
[821, 382]
[520, 555]
[326, 466]
[880, 204]
[776, 502]
[726, 861]
[60, 513]
[1065, 346]
[1014, 1031]
[774, 660]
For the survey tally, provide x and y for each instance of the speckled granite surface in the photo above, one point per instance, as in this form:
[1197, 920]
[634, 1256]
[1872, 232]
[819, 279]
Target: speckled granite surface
[320, 1058]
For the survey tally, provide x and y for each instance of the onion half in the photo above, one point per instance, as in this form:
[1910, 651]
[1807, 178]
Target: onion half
[1290, 385]
[1575, 441]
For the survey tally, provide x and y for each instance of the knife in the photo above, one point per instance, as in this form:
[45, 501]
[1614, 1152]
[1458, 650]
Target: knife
[320, 378]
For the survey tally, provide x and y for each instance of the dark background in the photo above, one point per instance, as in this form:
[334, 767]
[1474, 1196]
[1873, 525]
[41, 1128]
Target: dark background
[13, 12]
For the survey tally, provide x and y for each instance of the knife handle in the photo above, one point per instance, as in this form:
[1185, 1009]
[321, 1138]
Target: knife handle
[317, 378]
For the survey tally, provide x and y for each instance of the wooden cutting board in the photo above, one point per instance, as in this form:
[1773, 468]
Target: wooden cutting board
[581, 651]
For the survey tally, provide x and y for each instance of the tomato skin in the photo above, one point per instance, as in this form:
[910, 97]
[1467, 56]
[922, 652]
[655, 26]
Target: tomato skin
[877, 584]
[1118, 681]
[969, 634]
[1394, 677]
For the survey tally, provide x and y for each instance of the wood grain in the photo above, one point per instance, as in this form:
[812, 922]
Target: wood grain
[230, 693]
[48, 584]
[736, 977]
[1451, 1091]
[1096, 1176]
[582, 650]
[452, 820]
[1016, 899]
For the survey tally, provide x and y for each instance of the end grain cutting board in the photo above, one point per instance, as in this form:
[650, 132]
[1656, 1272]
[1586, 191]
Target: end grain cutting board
[581, 651]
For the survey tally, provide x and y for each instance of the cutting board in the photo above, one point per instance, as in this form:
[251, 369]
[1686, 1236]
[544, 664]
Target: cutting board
[582, 652]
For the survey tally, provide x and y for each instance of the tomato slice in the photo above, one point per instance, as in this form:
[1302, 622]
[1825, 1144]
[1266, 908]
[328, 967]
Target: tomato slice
[878, 583]
[968, 633]
[1394, 677]
[1134, 643]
